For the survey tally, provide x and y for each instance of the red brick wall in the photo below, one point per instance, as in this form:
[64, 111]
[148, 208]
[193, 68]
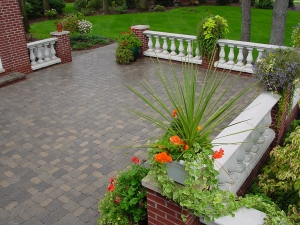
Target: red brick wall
[165, 212]
[13, 49]
[62, 46]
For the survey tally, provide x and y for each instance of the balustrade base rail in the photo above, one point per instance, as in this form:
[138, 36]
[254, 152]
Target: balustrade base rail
[41, 55]
[195, 60]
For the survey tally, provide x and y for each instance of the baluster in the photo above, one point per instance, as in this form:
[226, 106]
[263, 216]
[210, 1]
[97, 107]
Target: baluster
[46, 52]
[231, 166]
[189, 49]
[150, 43]
[267, 122]
[32, 56]
[197, 54]
[39, 54]
[240, 156]
[165, 46]
[261, 130]
[248, 146]
[222, 180]
[181, 49]
[240, 57]
[52, 50]
[222, 54]
[173, 47]
[157, 44]
[255, 137]
[260, 52]
[231, 55]
[249, 58]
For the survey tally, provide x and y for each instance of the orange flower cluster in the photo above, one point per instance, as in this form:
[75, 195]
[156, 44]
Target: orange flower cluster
[112, 184]
[186, 147]
[198, 128]
[163, 157]
[218, 154]
[135, 160]
[174, 114]
[176, 140]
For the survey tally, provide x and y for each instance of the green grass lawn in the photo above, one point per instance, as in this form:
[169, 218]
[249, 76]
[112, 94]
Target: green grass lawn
[69, 8]
[182, 20]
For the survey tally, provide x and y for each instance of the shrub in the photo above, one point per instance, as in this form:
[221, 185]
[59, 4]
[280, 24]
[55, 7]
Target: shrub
[159, 8]
[223, 2]
[51, 14]
[58, 5]
[291, 3]
[121, 9]
[79, 42]
[95, 4]
[123, 55]
[79, 5]
[296, 36]
[165, 3]
[264, 4]
[36, 9]
[29, 9]
[70, 22]
[84, 27]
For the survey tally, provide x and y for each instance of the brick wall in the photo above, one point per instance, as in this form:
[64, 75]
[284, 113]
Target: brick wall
[165, 212]
[13, 49]
[63, 46]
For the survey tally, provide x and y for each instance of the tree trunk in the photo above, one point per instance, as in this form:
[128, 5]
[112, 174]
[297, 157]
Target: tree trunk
[278, 22]
[246, 24]
[105, 6]
[46, 5]
[24, 15]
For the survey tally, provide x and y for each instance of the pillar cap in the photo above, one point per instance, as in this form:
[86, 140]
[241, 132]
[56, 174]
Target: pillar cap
[140, 27]
[56, 33]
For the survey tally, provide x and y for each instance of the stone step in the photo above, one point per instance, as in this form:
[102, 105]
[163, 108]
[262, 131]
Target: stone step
[11, 78]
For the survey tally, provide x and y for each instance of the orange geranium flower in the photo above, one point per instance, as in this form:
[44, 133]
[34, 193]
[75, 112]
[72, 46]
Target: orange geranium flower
[218, 154]
[163, 157]
[176, 140]
[174, 114]
[111, 188]
[198, 128]
[186, 147]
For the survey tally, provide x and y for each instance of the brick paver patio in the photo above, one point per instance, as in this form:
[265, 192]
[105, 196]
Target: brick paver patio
[57, 132]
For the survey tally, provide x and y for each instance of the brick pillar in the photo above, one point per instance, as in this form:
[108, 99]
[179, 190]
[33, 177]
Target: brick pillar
[62, 46]
[206, 61]
[13, 49]
[138, 31]
[162, 211]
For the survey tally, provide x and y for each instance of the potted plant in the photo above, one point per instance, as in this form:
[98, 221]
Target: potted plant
[59, 26]
[278, 71]
[125, 201]
[187, 128]
[127, 41]
[210, 29]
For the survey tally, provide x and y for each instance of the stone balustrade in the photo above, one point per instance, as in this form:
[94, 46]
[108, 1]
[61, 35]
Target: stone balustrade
[244, 142]
[42, 53]
[169, 49]
[232, 61]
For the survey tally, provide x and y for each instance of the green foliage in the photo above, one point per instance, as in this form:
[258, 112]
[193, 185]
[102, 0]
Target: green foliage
[158, 8]
[58, 5]
[210, 29]
[127, 39]
[223, 2]
[34, 8]
[123, 55]
[121, 9]
[126, 203]
[296, 36]
[292, 127]
[79, 5]
[264, 4]
[291, 3]
[79, 42]
[51, 14]
[95, 4]
[70, 22]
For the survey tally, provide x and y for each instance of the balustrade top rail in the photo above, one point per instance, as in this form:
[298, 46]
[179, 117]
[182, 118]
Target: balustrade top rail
[248, 44]
[170, 35]
[40, 42]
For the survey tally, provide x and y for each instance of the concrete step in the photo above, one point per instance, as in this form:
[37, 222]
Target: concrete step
[11, 78]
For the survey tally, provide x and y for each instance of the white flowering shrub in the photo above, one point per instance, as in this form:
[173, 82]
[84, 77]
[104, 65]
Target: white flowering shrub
[84, 26]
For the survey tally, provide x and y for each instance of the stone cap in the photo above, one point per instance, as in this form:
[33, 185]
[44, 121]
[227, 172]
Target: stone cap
[56, 33]
[140, 27]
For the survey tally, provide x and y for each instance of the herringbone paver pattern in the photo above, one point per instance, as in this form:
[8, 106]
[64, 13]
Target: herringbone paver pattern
[57, 132]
